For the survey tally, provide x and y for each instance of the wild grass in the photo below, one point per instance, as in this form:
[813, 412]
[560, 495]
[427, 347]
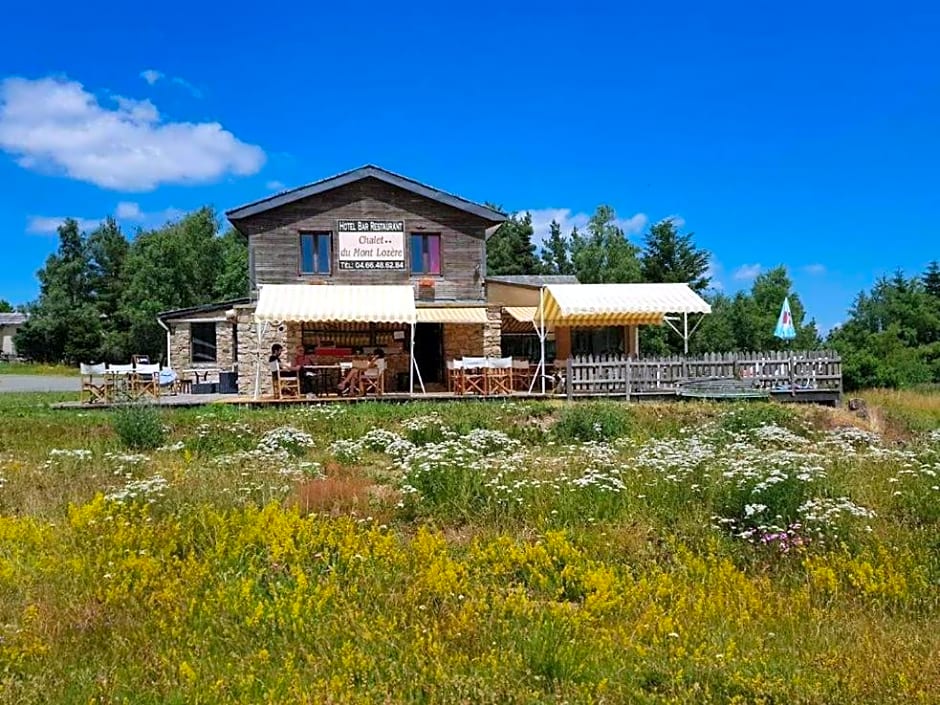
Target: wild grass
[502, 553]
[37, 368]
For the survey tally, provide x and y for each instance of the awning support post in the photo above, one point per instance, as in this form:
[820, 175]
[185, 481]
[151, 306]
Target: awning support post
[413, 367]
[260, 330]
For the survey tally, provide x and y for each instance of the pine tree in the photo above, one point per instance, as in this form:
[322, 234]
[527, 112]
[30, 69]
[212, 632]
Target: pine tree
[603, 254]
[931, 279]
[555, 252]
[671, 257]
[510, 249]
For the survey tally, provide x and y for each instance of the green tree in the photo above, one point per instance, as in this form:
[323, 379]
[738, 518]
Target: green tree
[5, 306]
[556, 257]
[107, 251]
[510, 249]
[603, 254]
[892, 335]
[232, 279]
[669, 256]
[64, 323]
[175, 266]
[931, 279]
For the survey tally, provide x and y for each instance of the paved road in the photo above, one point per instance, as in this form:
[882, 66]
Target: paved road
[39, 383]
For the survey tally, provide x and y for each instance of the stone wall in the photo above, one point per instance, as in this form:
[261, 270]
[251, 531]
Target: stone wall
[492, 332]
[462, 340]
[249, 359]
[181, 347]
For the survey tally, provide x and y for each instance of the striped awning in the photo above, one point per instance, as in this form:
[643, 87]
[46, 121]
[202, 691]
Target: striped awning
[387, 303]
[523, 314]
[618, 304]
[452, 314]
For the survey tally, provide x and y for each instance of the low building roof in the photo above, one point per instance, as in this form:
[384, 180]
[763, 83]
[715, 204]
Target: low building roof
[13, 319]
[202, 308]
[364, 172]
[533, 281]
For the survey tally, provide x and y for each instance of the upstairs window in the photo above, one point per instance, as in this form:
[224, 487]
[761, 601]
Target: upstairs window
[315, 253]
[202, 336]
[425, 253]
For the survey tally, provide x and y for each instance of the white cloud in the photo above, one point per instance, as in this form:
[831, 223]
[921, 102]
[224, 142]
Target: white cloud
[126, 212]
[815, 269]
[542, 219]
[746, 272]
[275, 185]
[151, 76]
[52, 124]
[714, 273]
[677, 220]
[194, 92]
[49, 224]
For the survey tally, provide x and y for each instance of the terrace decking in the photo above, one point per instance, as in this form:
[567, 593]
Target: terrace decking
[807, 376]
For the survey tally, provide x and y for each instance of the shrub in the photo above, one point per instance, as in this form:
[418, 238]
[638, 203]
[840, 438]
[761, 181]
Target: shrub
[139, 427]
[592, 421]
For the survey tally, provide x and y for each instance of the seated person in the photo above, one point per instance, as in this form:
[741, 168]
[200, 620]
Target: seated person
[277, 365]
[351, 380]
[300, 357]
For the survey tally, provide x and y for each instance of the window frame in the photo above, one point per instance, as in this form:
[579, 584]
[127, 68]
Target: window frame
[214, 346]
[440, 253]
[315, 235]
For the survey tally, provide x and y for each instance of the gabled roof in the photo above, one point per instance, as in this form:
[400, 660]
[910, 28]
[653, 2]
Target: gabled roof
[533, 281]
[365, 172]
[12, 319]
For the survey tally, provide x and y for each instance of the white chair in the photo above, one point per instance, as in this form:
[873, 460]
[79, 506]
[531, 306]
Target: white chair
[146, 381]
[372, 379]
[473, 375]
[94, 384]
[498, 374]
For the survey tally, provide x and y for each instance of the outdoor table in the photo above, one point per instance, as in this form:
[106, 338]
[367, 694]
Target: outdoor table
[321, 379]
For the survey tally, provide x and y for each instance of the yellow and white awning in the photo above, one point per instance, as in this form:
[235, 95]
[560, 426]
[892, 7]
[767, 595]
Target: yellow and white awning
[617, 304]
[452, 314]
[386, 303]
[523, 314]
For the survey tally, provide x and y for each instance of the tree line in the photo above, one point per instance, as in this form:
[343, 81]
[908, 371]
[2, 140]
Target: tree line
[100, 293]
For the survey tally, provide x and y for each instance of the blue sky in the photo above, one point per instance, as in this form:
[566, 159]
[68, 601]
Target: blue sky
[799, 134]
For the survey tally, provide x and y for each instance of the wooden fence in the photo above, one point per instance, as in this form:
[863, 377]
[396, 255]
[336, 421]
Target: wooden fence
[806, 373]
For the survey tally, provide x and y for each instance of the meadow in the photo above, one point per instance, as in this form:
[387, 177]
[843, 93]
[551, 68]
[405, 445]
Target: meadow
[472, 552]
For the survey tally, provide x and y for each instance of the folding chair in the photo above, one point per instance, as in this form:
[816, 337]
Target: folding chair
[454, 377]
[372, 379]
[94, 392]
[473, 375]
[498, 373]
[147, 381]
[285, 386]
[521, 375]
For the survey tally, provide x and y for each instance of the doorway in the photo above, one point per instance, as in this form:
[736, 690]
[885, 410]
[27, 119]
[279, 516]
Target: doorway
[429, 351]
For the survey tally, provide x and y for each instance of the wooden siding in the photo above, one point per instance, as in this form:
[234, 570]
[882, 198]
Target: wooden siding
[274, 238]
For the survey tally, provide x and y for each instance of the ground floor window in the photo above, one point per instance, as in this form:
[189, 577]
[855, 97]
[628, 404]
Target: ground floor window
[606, 340]
[526, 347]
[353, 335]
[203, 343]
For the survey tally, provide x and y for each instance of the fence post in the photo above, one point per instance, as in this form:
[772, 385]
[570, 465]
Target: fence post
[569, 378]
[792, 378]
[626, 377]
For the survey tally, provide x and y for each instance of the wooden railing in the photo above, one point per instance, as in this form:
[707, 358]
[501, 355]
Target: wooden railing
[794, 372]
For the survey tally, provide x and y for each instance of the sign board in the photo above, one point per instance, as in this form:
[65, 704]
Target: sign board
[371, 245]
